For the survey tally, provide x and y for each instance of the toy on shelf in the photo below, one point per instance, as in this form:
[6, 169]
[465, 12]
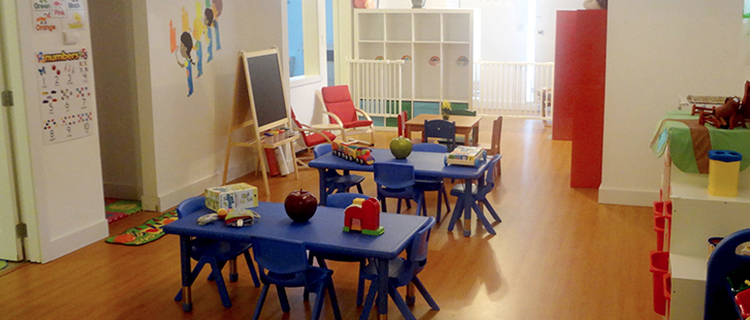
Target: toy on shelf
[726, 116]
[353, 153]
[363, 216]
[466, 156]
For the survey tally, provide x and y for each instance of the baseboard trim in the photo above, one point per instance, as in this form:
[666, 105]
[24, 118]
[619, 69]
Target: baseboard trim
[76, 240]
[627, 197]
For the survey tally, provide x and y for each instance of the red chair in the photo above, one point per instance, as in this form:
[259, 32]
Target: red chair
[343, 113]
[312, 137]
[402, 118]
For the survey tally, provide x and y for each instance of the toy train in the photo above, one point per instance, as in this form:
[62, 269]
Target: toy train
[352, 153]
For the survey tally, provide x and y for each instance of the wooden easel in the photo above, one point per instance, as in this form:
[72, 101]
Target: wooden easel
[244, 115]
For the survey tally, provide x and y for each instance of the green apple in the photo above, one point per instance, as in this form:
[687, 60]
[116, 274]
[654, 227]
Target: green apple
[400, 147]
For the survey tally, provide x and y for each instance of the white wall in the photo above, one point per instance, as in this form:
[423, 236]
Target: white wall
[184, 138]
[657, 50]
[546, 22]
[67, 176]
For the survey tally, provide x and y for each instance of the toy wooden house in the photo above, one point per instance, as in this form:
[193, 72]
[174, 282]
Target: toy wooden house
[363, 216]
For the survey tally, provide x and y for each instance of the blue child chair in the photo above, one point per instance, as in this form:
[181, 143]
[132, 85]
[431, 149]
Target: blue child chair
[478, 194]
[397, 181]
[214, 253]
[402, 272]
[284, 263]
[440, 128]
[335, 182]
[431, 184]
[342, 200]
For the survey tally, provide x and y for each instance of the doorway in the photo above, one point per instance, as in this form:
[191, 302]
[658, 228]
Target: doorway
[11, 246]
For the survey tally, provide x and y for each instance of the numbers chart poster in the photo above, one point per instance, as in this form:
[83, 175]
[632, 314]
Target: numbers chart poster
[67, 107]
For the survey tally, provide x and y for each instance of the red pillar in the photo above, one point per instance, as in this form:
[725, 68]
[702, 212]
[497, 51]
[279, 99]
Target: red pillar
[585, 89]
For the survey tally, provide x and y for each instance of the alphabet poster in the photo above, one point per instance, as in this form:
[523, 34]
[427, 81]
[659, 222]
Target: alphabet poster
[67, 107]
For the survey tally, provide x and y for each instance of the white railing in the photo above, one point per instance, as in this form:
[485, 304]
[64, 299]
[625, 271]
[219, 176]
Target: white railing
[377, 86]
[514, 89]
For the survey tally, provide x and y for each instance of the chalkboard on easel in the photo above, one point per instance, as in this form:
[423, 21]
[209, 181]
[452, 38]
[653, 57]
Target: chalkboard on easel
[259, 103]
[263, 76]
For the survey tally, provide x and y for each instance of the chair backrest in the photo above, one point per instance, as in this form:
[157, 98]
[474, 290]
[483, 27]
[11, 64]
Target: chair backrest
[497, 131]
[321, 149]
[191, 205]
[338, 101]
[491, 177]
[403, 116]
[427, 147]
[299, 127]
[280, 256]
[393, 175]
[343, 200]
[440, 128]
[417, 250]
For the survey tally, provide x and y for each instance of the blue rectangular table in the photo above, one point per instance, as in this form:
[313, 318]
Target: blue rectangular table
[322, 233]
[426, 164]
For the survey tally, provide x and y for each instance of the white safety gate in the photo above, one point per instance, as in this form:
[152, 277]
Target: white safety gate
[510, 89]
[514, 89]
[377, 86]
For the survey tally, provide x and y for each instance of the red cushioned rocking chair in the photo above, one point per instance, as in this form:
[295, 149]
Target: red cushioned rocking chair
[342, 112]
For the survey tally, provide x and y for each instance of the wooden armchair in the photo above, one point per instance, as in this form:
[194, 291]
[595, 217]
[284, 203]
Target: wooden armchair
[344, 116]
[312, 137]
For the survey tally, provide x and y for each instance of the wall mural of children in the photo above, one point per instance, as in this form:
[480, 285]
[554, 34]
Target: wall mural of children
[199, 29]
[186, 45]
[210, 18]
[190, 41]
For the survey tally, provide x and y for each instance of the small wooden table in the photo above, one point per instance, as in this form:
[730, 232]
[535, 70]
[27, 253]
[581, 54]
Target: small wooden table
[465, 125]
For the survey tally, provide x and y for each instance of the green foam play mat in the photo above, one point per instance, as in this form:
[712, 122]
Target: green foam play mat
[3, 264]
[116, 209]
[149, 231]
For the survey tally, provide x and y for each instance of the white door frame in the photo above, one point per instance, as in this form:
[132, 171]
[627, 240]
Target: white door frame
[24, 205]
[11, 248]
[342, 42]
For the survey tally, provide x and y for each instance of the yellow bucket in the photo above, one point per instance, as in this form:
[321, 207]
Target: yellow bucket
[723, 172]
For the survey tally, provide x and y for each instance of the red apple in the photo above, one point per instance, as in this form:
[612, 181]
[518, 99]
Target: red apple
[300, 205]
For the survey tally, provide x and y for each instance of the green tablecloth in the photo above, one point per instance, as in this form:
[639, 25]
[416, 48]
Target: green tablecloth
[677, 134]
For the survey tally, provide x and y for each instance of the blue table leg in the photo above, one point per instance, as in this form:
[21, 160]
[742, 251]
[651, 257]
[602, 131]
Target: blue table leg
[323, 196]
[382, 289]
[187, 300]
[468, 202]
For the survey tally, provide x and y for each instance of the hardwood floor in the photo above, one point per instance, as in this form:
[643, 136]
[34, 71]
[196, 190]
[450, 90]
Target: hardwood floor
[558, 254]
